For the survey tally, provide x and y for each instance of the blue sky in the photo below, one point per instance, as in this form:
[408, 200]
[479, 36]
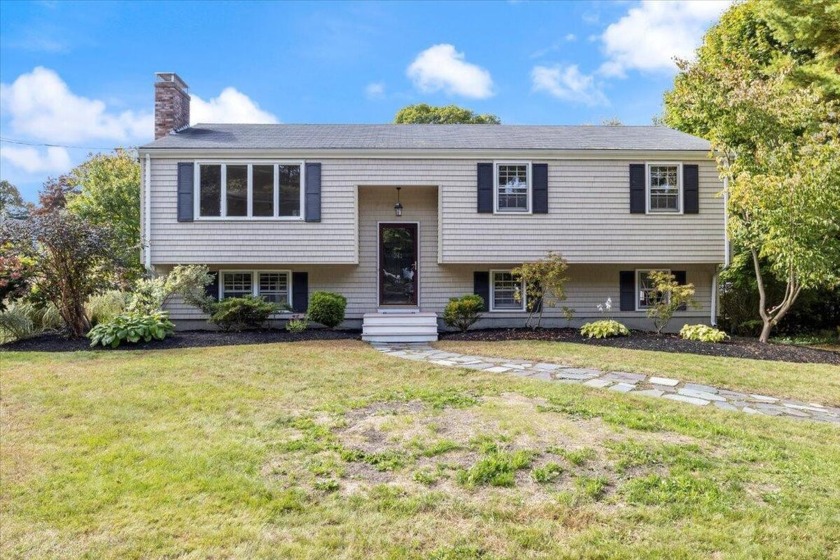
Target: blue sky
[79, 76]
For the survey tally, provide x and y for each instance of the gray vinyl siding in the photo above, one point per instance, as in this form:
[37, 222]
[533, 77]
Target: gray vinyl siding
[588, 220]
[588, 286]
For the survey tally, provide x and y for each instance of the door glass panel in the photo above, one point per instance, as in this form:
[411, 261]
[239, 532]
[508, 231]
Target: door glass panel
[398, 274]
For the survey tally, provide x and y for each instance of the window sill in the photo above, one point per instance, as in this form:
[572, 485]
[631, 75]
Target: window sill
[246, 219]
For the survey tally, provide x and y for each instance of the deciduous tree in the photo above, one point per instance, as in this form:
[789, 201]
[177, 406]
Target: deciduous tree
[422, 113]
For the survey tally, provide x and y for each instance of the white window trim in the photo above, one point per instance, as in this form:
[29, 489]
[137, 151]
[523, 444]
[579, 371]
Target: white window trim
[681, 187]
[492, 302]
[638, 288]
[530, 196]
[255, 282]
[250, 213]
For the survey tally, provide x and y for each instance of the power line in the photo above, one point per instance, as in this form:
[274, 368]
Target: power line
[40, 144]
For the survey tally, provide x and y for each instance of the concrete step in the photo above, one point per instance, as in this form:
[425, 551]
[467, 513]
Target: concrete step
[406, 338]
[399, 327]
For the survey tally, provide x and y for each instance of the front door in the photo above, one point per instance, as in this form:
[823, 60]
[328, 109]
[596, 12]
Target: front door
[398, 279]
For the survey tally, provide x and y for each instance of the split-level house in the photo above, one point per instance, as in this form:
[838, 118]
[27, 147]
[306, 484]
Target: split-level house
[400, 218]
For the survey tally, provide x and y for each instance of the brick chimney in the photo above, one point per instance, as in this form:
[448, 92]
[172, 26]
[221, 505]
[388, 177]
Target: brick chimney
[172, 103]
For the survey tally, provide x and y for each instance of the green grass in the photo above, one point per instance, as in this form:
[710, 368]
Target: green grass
[809, 382]
[288, 451]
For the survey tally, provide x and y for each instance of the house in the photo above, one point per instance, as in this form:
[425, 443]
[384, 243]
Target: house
[399, 218]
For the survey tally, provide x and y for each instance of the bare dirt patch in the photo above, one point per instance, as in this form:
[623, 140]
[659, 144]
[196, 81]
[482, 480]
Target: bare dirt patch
[414, 445]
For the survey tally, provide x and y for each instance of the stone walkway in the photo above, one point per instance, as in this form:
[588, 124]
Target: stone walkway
[622, 382]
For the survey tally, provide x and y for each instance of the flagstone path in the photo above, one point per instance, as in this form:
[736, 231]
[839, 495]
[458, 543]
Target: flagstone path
[622, 382]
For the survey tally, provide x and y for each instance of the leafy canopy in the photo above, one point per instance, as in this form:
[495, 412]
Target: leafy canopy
[422, 113]
[758, 92]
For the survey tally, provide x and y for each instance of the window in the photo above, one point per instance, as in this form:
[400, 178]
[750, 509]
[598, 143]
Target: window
[210, 190]
[274, 287]
[513, 187]
[507, 293]
[249, 190]
[647, 295]
[237, 284]
[664, 188]
[271, 285]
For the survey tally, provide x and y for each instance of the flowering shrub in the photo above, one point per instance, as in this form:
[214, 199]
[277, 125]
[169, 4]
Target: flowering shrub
[604, 329]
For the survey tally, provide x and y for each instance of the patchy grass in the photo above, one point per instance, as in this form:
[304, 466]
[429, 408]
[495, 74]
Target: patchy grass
[288, 451]
[808, 382]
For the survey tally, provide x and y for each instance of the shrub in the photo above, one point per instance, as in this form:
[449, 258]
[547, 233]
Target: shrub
[667, 298]
[703, 333]
[297, 324]
[187, 281]
[104, 307]
[16, 323]
[132, 328]
[604, 329]
[327, 308]
[236, 314]
[462, 312]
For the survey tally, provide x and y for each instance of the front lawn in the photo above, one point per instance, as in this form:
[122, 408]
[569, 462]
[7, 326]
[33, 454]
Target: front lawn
[333, 450]
[818, 383]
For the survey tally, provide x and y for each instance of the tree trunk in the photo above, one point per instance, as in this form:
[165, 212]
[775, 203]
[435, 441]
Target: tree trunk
[765, 331]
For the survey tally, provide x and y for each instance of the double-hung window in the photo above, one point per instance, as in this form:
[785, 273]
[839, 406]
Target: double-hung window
[507, 292]
[237, 284]
[274, 287]
[664, 187]
[249, 190]
[647, 294]
[513, 188]
[271, 285]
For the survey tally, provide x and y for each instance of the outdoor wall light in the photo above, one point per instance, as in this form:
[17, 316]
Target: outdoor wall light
[398, 207]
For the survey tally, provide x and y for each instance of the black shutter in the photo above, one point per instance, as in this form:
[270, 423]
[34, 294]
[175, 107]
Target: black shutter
[540, 188]
[691, 189]
[313, 192]
[485, 188]
[212, 289]
[637, 188]
[481, 287]
[680, 278]
[300, 292]
[186, 178]
[627, 281]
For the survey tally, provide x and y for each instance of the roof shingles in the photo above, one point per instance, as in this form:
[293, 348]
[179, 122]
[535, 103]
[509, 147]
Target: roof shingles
[428, 137]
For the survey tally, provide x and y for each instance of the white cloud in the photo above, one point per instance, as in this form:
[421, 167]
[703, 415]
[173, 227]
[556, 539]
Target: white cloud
[568, 83]
[231, 106]
[39, 105]
[650, 35]
[441, 67]
[571, 37]
[375, 90]
[33, 160]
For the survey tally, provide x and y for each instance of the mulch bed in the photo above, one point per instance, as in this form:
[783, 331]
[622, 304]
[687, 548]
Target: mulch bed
[737, 347]
[53, 342]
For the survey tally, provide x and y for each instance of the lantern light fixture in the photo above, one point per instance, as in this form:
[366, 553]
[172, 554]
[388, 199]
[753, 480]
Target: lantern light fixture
[398, 208]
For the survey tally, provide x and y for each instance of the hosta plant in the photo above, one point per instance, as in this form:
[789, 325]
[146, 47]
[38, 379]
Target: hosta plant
[604, 329]
[703, 333]
[131, 328]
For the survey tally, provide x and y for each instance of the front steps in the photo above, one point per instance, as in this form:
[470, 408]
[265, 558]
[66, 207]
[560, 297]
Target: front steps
[400, 327]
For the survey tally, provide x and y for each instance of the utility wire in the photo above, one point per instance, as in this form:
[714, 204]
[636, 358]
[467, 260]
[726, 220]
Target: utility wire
[23, 143]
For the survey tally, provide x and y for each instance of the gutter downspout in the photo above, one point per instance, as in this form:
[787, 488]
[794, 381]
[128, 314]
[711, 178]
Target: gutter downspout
[727, 250]
[713, 318]
[147, 214]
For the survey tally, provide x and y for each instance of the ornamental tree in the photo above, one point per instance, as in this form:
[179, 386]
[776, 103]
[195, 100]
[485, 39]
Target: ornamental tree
[71, 261]
[667, 298]
[545, 285]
